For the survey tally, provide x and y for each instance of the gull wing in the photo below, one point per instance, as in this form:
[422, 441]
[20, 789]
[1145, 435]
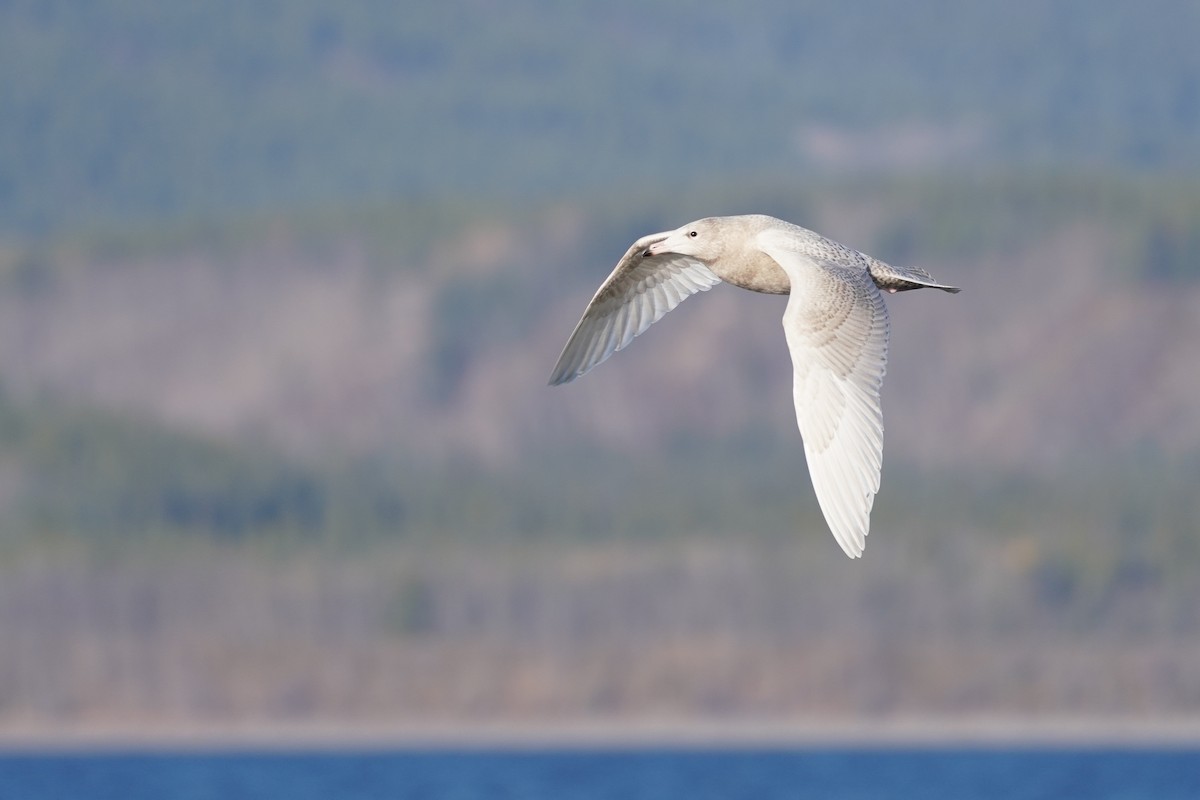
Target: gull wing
[640, 290]
[837, 332]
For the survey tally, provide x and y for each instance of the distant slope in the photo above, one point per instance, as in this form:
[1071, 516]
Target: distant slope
[122, 110]
[384, 374]
[1073, 335]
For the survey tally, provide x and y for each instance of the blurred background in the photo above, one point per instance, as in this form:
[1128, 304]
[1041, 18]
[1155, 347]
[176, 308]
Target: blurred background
[281, 285]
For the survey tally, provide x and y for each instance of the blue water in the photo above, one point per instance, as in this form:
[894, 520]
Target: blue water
[833, 774]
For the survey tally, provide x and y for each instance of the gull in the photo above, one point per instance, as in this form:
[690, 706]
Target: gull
[836, 325]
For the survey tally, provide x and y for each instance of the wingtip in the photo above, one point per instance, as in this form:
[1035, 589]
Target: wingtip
[561, 376]
[853, 543]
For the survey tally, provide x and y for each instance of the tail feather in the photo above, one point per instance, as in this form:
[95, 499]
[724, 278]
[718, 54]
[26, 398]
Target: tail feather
[902, 279]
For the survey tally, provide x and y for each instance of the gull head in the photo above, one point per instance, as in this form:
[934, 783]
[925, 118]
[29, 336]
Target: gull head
[705, 240]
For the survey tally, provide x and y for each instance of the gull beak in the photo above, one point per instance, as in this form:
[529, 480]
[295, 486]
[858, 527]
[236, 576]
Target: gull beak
[656, 249]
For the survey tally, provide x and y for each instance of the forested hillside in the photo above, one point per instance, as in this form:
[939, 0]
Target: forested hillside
[124, 112]
[281, 286]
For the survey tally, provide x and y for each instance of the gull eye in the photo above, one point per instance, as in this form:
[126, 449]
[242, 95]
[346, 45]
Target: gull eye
[693, 234]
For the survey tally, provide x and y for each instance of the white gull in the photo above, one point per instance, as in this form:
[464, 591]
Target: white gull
[835, 322]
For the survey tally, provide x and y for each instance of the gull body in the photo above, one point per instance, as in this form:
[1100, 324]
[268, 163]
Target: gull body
[836, 325]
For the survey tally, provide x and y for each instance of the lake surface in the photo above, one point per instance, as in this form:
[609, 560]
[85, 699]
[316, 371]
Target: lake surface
[833, 773]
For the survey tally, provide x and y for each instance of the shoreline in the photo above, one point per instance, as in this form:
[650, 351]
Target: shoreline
[604, 734]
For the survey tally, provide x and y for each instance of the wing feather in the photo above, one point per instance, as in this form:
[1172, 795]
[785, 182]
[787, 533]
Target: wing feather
[638, 293]
[837, 332]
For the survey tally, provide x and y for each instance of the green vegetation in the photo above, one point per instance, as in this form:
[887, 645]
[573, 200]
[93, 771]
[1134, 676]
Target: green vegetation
[104, 477]
[1155, 220]
[123, 110]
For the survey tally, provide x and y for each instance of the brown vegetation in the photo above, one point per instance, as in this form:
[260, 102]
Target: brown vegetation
[523, 552]
[691, 630]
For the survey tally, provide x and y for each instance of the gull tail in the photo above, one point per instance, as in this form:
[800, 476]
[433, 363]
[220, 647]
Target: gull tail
[902, 279]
